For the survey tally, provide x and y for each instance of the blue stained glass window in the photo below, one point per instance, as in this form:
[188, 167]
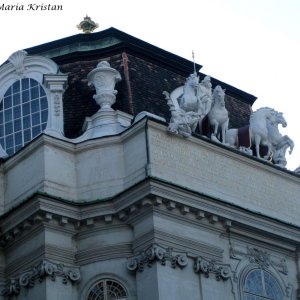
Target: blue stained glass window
[25, 96]
[33, 83]
[23, 114]
[35, 105]
[17, 125]
[26, 109]
[8, 115]
[16, 87]
[34, 93]
[9, 140]
[8, 92]
[26, 122]
[16, 99]
[18, 138]
[7, 102]
[8, 129]
[27, 136]
[25, 84]
[261, 285]
[44, 103]
[35, 119]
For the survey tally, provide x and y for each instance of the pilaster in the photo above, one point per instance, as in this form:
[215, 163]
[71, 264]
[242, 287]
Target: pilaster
[57, 84]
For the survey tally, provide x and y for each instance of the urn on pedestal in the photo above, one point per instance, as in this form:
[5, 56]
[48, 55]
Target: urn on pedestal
[104, 79]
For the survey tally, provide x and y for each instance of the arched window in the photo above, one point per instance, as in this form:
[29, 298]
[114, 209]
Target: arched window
[107, 289]
[23, 114]
[260, 285]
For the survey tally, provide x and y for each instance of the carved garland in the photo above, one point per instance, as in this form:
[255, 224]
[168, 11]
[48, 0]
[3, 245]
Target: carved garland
[204, 266]
[44, 269]
[156, 253]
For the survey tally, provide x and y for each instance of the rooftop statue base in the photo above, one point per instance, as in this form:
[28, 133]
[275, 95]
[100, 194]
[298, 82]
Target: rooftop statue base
[104, 123]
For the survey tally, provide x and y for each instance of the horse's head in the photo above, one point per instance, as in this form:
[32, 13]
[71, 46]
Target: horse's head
[219, 96]
[274, 118]
[280, 119]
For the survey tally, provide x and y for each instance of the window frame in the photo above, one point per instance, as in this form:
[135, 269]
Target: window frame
[105, 281]
[37, 107]
[252, 268]
[46, 72]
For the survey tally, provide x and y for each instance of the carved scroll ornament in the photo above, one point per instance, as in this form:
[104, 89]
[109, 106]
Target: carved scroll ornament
[156, 253]
[44, 269]
[206, 267]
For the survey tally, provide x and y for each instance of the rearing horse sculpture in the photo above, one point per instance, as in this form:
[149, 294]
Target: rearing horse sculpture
[280, 143]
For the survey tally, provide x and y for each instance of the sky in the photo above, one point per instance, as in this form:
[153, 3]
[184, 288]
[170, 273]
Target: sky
[253, 45]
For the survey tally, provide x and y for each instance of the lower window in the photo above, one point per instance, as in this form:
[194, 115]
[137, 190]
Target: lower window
[107, 289]
[260, 285]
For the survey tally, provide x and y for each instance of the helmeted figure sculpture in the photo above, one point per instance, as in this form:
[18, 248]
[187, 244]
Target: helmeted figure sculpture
[189, 105]
[205, 96]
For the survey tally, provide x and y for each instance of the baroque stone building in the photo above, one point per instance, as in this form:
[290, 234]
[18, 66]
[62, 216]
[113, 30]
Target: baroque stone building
[99, 200]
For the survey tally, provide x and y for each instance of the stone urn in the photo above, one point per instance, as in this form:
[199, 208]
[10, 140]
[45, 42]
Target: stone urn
[104, 79]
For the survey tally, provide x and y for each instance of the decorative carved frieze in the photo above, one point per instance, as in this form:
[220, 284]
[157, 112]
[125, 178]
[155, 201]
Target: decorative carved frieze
[206, 267]
[39, 272]
[259, 257]
[156, 253]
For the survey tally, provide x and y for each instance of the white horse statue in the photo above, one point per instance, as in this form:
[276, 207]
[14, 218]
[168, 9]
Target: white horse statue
[218, 115]
[263, 131]
[257, 131]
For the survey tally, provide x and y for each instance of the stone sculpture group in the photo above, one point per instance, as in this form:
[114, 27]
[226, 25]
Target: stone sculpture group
[195, 106]
[197, 102]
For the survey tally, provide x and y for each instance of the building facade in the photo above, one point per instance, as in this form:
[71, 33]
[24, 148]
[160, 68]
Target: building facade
[108, 191]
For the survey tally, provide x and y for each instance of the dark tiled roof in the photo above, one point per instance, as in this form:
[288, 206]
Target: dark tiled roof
[151, 70]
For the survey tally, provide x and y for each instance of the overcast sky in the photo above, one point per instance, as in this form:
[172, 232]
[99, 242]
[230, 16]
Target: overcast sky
[253, 45]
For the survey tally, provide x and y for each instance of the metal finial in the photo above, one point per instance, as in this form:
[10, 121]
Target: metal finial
[87, 25]
[193, 55]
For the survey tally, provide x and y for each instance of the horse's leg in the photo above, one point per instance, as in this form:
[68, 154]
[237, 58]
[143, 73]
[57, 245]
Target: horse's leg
[257, 140]
[269, 146]
[213, 135]
[200, 125]
[216, 126]
[231, 137]
[224, 129]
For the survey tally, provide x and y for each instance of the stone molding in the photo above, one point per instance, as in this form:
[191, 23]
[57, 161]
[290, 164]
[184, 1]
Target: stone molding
[206, 267]
[261, 258]
[70, 217]
[252, 258]
[156, 253]
[44, 269]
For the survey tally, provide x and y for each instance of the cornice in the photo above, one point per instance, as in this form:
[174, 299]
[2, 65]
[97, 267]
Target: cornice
[151, 196]
[95, 254]
[193, 248]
